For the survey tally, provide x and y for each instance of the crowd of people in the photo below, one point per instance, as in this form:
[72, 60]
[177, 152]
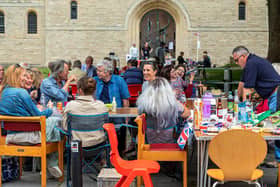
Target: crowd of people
[24, 92]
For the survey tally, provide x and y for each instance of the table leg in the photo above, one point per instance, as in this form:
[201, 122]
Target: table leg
[198, 162]
[206, 163]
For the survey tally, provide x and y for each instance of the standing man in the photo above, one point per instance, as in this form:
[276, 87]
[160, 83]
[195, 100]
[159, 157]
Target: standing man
[1, 73]
[206, 60]
[258, 76]
[133, 51]
[89, 68]
[180, 58]
[161, 54]
[55, 87]
[146, 51]
[109, 85]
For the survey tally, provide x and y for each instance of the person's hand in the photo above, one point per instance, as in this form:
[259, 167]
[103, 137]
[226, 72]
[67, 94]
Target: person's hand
[40, 107]
[192, 74]
[72, 78]
[34, 94]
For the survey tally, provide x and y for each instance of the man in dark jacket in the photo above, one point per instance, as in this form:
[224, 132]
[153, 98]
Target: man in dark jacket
[133, 75]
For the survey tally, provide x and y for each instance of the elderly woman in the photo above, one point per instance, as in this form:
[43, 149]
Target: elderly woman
[162, 110]
[15, 101]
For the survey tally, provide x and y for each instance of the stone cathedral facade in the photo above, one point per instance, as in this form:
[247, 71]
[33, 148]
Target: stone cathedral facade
[39, 31]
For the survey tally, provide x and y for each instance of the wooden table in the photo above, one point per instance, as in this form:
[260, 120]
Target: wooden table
[124, 112]
[202, 155]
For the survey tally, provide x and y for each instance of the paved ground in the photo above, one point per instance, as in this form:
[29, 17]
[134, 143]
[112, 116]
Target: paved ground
[30, 179]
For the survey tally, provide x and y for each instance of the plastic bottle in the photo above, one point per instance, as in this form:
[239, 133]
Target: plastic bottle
[220, 109]
[114, 105]
[43, 100]
[249, 107]
[230, 102]
[206, 99]
[235, 108]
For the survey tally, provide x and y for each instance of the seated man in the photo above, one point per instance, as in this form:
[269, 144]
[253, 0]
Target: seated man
[133, 75]
[109, 85]
[85, 104]
[55, 87]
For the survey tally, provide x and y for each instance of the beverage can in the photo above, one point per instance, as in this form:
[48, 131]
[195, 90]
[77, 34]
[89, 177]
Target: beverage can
[59, 106]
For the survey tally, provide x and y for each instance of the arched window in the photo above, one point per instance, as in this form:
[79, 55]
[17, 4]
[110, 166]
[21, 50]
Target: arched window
[241, 11]
[74, 10]
[2, 22]
[32, 23]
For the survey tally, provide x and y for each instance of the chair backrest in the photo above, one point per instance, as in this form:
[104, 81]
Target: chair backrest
[23, 124]
[114, 155]
[142, 126]
[74, 89]
[86, 123]
[134, 89]
[237, 153]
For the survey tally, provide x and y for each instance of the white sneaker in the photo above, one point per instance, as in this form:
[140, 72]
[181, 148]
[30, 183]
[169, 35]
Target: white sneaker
[55, 171]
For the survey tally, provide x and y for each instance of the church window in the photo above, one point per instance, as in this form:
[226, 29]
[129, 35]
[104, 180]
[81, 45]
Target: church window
[2, 22]
[32, 23]
[74, 10]
[241, 11]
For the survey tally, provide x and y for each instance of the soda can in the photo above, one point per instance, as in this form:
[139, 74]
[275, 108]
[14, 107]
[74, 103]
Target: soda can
[59, 106]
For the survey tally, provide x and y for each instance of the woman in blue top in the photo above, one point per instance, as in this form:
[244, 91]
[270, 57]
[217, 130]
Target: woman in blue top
[15, 101]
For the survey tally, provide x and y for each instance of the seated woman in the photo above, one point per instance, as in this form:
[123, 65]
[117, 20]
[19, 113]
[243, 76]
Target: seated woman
[15, 101]
[85, 104]
[181, 72]
[162, 110]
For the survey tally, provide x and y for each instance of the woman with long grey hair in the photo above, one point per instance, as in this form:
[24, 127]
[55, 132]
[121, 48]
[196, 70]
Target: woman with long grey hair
[162, 110]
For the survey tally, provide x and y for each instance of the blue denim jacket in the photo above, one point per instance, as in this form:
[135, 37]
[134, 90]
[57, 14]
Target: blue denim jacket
[117, 88]
[52, 91]
[17, 102]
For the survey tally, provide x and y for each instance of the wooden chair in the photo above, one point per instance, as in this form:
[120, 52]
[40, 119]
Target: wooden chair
[134, 90]
[129, 169]
[159, 152]
[29, 124]
[237, 153]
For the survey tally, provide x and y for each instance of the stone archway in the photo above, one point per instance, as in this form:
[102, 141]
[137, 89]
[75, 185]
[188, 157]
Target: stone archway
[172, 7]
[157, 26]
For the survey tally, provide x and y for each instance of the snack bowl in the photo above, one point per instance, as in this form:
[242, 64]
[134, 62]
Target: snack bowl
[109, 106]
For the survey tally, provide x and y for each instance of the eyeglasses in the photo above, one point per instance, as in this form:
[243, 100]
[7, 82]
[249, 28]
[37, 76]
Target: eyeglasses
[237, 59]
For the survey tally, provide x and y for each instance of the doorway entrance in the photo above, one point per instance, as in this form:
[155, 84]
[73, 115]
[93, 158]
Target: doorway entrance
[158, 26]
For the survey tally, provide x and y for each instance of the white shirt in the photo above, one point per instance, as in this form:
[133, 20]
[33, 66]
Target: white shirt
[133, 51]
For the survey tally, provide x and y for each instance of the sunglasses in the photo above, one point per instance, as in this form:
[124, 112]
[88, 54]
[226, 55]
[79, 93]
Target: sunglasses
[237, 59]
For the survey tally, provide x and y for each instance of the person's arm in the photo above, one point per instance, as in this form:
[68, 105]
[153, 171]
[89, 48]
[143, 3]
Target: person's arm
[186, 113]
[151, 50]
[142, 54]
[70, 79]
[240, 89]
[30, 107]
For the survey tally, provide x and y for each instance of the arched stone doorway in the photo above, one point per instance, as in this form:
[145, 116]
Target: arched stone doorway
[174, 8]
[157, 26]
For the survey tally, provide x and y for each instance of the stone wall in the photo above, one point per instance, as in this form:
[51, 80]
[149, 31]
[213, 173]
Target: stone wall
[113, 25]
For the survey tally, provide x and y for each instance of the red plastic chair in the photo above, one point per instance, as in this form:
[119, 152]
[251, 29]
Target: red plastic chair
[134, 90]
[129, 169]
[74, 89]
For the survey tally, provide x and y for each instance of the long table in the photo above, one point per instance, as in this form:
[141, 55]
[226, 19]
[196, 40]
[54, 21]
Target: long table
[129, 112]
[202, 155]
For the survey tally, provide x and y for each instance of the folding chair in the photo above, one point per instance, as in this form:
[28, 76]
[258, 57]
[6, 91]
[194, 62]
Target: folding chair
[237, 153]
[29, 124]
[86, 123]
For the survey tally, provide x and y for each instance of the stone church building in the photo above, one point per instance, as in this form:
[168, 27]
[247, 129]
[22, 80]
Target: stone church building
[39, 31]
